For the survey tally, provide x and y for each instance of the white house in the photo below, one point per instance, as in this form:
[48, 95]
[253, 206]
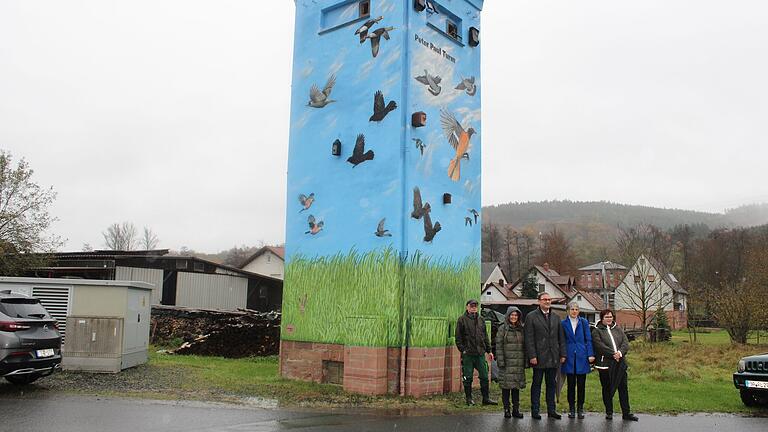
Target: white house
[268, 261]
[648, 282]
[547, 280]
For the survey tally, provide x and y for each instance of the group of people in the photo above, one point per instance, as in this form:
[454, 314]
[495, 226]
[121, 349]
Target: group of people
[546, 344]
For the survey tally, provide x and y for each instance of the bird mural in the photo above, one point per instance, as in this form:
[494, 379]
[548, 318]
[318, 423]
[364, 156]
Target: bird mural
[359, 155]
[468, 85]
[419, 209]
[419, 145]
[467, 221]
[376, 36]
[363, 30]
[459, 140]
[306, 201]
[379, 109]
[314, 226]
[475, 214]
[319, 99]
[380, 231]
[429, 230]
[431, 81]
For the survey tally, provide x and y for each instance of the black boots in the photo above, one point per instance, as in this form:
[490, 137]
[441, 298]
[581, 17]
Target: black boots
[507, 413]
[516, 412]
[629, 417]
[581, 413]
[468, 395]
[571, 412]
[486, 398]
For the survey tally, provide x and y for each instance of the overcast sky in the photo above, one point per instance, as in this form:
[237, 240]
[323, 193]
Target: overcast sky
[174, 114]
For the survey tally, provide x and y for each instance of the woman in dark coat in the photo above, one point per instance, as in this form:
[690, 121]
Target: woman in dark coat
[611, 347]
[578, 341]
[510, 357]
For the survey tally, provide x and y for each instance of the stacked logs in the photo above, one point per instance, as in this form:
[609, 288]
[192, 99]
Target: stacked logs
[233, 334]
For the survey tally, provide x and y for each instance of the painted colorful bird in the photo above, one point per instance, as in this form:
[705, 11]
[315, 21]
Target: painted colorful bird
[459, 140]
[475, 214]
[306, 201]
[379, 110]
[420, 145]
[419, 209]
[375, 38]
[467, 221]
[380, 231]
[319, 99]
[363, 30]
[314, 227]
[359, 155]
[429, 230]
[468, 85]
[431, 81]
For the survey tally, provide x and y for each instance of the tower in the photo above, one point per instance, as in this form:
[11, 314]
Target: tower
[382, 225]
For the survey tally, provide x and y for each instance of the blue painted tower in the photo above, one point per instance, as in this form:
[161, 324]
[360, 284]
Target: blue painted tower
[383, 225]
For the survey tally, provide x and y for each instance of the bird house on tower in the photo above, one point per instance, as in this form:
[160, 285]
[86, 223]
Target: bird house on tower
[379, 264]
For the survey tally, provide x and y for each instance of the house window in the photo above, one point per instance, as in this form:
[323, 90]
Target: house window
[578, 297]
[198, 266]
[269, 258]
[365, 8]
[651, 278]
[452, 29]
[637, 279]
[541, 288]
[181, 264]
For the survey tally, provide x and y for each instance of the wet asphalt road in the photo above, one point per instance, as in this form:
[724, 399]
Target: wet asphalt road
[78, 414]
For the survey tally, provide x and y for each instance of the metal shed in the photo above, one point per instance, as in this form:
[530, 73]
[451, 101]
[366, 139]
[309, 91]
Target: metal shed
[106, 323]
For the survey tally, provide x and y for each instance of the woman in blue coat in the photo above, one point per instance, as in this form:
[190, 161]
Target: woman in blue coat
[578, 341]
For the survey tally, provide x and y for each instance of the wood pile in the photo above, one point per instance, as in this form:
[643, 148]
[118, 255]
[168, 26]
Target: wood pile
[234, 334]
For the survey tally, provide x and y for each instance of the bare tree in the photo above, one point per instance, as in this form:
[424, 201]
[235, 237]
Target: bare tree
[490, 242]
[24, 217]
[510, 238]
[556, 250]
[122, 236]
[149, 239]
[644, 239]
[643, 291]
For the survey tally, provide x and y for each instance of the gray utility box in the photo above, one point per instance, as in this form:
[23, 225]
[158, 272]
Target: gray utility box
[107, 326]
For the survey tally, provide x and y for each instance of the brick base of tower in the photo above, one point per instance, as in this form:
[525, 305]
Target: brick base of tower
[375, 371]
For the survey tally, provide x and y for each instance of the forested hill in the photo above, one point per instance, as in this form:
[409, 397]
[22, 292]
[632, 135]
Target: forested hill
[611, 214]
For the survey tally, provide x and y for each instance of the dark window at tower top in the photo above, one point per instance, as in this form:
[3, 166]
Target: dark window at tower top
[365, 8]
[452, 29]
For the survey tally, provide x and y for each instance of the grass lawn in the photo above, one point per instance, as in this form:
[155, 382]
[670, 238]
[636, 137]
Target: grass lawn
[669, 377]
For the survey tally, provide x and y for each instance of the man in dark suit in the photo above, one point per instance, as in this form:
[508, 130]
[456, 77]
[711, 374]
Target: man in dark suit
[546, 350]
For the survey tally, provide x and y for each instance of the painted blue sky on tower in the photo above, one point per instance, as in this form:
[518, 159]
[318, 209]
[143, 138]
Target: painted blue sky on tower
[419, 67]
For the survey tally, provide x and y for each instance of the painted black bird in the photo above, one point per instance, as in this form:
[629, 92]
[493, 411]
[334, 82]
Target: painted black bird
[429, 230]
[467, 221]
[380, 231]
[306, 201]
[359, 155]
[314, 227]
[375, 38]
[379, 110]
[419, 210]
[419, 145]
[468, 85]
[363, 30]
[475, 214]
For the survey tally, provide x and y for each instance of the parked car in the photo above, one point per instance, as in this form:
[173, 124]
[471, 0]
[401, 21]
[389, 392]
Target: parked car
[751, 378]
[30, 343]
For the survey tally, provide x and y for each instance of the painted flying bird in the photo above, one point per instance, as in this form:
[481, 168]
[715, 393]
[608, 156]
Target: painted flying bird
[467, 221]
[459, 140]
[431, 81]
[379, 110]
[429, 230]
[431, 7]
[319, 99]
[380, 231]
[419, 210]
[306, 201]
[363, 30]
[314, 227]
[419, 145]
[468, 85]
[376, 38]
[475, 214]
[359, 155]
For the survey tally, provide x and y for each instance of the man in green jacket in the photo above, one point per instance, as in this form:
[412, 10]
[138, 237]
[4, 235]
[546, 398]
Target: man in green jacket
[473, 343]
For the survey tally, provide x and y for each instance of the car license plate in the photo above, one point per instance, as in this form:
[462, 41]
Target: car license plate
[44, 353]
[757, 384]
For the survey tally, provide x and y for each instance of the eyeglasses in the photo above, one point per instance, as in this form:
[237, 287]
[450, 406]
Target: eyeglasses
[545, 300]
